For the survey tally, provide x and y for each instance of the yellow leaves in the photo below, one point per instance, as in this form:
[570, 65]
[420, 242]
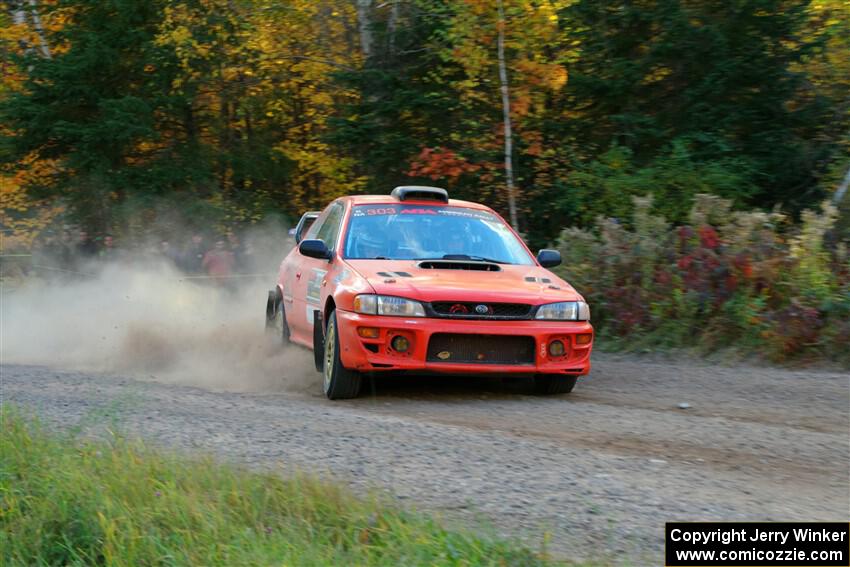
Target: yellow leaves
[535, 144]
[657, 74]
[294, 51]
[16, 33]
[480, 7]
[176, 36]
[549, 75]
[320, 175]
[557, 77]
[23, 217]
[534, 49]
[12, 196]
[521, 104]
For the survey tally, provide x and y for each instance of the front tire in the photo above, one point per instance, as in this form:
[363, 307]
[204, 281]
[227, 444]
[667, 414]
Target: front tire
[338, 382]
[549, 384]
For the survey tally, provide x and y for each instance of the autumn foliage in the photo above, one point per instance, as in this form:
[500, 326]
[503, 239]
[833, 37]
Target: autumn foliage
[440, 163]
[121, 115]
[735, 281]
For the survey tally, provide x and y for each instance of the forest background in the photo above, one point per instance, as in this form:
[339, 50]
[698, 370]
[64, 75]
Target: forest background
[689, 157]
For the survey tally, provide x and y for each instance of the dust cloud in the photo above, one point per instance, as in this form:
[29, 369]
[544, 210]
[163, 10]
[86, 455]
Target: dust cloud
[153, 322]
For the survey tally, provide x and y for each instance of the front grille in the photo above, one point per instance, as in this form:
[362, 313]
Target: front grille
[480, 349]
[469, 310]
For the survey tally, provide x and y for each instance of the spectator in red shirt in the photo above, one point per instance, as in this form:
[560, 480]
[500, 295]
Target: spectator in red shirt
[219, 261]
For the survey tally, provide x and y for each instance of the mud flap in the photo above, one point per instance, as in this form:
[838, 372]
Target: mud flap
[318, 341]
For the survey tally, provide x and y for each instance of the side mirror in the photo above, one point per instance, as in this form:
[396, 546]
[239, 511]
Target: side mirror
[315, 249]
[549, 258]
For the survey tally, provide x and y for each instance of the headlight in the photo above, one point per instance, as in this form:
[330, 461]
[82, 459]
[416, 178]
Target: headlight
[564, 311]
[388, 305]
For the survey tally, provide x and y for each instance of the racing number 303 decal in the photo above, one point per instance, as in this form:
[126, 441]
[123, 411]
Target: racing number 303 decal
[314, 292]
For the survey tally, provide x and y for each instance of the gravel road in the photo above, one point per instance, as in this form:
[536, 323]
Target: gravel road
[599, 471]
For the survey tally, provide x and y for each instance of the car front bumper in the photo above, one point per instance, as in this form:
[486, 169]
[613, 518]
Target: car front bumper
[376, 354]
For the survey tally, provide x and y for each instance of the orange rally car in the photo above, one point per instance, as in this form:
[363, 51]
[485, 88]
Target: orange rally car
[415, 281]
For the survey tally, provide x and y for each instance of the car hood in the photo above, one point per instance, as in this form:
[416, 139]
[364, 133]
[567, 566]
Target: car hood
[511, 284]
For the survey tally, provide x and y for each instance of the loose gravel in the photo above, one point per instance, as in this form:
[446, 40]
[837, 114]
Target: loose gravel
[590, 475]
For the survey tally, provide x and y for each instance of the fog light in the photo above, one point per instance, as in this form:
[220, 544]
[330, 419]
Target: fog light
[368, 332]
[556, 348]
[400, 343]
[584, 339]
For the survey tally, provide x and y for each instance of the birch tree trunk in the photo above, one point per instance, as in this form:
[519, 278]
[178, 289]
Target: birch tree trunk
[392, 25]
[842, 189]
[506, 111]
[19, 16]
[22, 15]
[364, 21]
[39, 30]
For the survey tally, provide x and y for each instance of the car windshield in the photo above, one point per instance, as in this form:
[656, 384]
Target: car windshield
[419, 232]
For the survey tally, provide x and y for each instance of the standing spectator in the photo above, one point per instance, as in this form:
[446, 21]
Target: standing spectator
[248, 262]
[235, 247]
[48, 251]
[193, 254]
[108, 252]
[65, 257]
[86, 247]
[169, 252]
[218, 262]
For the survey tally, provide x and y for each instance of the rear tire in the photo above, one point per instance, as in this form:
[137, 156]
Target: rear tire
[549, 384]
[338, 382]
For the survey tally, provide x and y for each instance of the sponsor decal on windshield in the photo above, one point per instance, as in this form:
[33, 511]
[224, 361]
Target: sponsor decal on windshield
[385, 210]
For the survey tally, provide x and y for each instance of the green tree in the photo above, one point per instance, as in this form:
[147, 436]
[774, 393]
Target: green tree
[430, 107]
[716, 76]
[90, 106]
[402, 102]
[145, 105]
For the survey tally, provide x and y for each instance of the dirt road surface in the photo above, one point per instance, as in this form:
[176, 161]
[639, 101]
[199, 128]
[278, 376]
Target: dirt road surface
[595, 474]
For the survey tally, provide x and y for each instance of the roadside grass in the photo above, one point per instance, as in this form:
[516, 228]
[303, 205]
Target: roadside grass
[69, 501]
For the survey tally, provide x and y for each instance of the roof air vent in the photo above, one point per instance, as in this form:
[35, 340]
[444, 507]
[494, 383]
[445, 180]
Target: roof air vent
[420, 193]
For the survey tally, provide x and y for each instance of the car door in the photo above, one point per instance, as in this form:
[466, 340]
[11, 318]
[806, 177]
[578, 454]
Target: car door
[289, 265]
[310, 274]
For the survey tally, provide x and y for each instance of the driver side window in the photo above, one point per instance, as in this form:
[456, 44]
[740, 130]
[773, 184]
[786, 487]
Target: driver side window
[314, 228]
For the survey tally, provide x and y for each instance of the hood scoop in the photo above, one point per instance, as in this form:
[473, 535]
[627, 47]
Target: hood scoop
[459, 265]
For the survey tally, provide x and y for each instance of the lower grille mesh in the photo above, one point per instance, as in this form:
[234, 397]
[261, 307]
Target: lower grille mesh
[480, 349]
